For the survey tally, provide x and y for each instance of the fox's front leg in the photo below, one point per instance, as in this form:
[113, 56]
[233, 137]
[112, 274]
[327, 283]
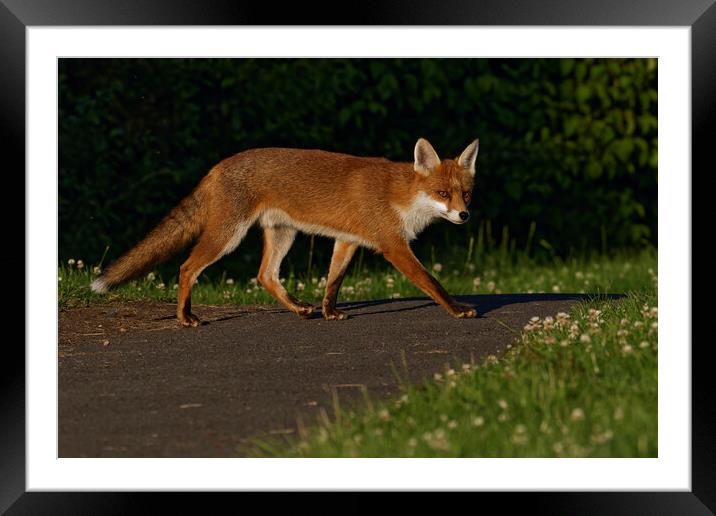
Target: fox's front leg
[403, 259]
[342, 255]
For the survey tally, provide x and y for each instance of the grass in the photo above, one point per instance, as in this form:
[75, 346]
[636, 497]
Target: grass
[582, 384]
[486, 274]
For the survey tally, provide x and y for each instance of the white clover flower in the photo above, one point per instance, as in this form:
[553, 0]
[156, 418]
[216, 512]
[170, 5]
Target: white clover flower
[176, 286]
[97, 270]
[412, 442]
[160, 286]
[478, 421]
[585, 338]
[300, 286]
[384, 415]
[555, 288]
[476, 282]
[438, 267]
[503, 404]
[349, 290]
[519, 439]
[643, 344]
[322, 283]
[151, 276]
[627, 349]
[230, 281]
[71, 262]
[80, 264]
[452, 424]
[577, 415]
[490, 286]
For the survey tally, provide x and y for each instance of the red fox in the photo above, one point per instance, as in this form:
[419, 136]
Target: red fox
[370, 202]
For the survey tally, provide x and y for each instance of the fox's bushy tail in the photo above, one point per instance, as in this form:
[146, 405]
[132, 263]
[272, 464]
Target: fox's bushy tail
[179, 228]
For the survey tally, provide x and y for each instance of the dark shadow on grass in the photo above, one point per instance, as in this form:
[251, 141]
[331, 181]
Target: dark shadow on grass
[482, 303]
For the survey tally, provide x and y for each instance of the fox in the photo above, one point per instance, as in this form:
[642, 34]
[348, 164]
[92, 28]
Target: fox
[369, 202]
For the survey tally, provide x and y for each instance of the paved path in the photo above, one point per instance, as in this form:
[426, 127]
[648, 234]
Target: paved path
[133, 384]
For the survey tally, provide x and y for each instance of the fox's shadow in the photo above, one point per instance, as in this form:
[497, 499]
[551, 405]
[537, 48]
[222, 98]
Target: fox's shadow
[482, 303]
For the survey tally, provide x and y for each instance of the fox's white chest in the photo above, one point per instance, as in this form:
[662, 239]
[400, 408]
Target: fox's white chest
[416, 217]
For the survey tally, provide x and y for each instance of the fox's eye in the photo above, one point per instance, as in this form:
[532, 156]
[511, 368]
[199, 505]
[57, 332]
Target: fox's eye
[442, 193]
[466, 195]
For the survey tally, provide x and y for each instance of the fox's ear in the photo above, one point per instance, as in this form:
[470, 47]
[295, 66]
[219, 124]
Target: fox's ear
[426, 159]
[468, 157]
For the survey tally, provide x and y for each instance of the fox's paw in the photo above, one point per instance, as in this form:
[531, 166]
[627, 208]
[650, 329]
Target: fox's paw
[304, 310]
[463, 311]
[333, 314]
[189, 321]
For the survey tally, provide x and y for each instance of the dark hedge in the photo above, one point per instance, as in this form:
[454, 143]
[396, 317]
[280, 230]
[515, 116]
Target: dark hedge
[567, 146]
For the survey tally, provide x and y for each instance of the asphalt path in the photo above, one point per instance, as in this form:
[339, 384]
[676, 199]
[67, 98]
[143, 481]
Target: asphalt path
[132, 383]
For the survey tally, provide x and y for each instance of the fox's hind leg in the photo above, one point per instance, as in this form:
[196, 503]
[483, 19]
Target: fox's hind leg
[342, 255]
[277, 242]
[212, 245]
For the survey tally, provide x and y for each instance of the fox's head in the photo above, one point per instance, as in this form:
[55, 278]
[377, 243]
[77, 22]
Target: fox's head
[446, 185]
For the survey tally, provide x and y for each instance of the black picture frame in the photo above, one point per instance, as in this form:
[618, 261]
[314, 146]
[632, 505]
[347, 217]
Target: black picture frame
[17, 15]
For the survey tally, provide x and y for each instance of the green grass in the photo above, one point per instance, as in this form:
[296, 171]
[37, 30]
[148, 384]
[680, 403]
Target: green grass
[577, 386]
[486, 274]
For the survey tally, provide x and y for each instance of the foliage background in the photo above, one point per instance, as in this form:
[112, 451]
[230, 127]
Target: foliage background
[568, 147]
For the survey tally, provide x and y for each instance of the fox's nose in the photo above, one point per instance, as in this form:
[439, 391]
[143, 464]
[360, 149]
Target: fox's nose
[464, 215]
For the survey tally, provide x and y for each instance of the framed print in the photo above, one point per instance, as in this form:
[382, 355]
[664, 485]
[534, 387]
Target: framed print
[546, 377]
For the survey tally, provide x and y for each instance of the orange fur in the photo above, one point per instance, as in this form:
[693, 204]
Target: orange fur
[371, 202]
